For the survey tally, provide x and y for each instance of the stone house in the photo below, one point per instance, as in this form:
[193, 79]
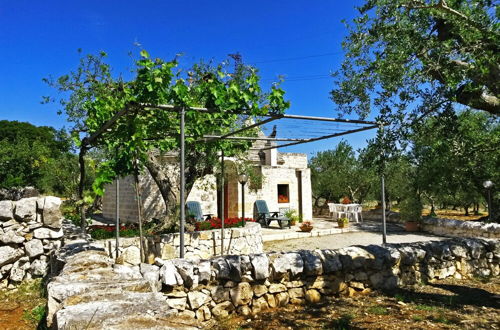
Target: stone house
[285, 184]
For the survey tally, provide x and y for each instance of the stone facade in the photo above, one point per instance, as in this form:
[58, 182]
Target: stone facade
[198, 245]
[277, 169]
[30, 229]
[248, 284]
[458, 228]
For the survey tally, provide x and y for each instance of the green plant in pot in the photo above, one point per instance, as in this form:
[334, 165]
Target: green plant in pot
[410, 212]
[292, 215]
[343, 222]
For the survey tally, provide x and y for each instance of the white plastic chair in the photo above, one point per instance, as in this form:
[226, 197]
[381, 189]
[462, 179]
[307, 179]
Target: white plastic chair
[355, 211]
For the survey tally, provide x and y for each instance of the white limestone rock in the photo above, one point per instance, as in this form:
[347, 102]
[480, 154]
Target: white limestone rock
[9, 254]
[52, 216]
[6, 210]
[47, 233]
[260, 264]
[12, 237]
[197, 299]
[33, 248]
[26, 209]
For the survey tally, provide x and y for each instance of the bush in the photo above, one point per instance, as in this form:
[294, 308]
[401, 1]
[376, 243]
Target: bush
[411, 209]
[216, 223]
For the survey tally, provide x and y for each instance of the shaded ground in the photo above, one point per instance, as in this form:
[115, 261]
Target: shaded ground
[23, 307]
[347, 239]
[446, 304]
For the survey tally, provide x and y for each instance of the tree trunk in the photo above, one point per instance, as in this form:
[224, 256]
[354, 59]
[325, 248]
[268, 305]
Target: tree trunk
[167, 185]
[81, 161]
[139, 210]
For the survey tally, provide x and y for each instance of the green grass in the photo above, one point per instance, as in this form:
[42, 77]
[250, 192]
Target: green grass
[378, 310]
[36, 314]
[426, 308]
[417, 318]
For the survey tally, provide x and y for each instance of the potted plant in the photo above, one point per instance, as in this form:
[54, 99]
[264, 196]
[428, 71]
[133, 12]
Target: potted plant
[294, 218]
[343, 222]
[306, 226]
[410, 212]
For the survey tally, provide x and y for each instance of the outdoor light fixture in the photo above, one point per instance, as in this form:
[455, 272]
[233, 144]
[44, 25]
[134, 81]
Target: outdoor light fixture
[243, 178]
[488, 184]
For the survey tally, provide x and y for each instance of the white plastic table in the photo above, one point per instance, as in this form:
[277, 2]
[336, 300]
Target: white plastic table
[351, 211]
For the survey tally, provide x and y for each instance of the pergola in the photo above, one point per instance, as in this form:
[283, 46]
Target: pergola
[342, 127]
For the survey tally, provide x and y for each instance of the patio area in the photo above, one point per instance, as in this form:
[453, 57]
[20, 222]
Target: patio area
[322, 227]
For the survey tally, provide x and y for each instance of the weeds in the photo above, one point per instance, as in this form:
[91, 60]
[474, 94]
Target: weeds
[378, 310]
[343, 323]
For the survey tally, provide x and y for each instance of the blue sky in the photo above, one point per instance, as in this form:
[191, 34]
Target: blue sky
[298, 39]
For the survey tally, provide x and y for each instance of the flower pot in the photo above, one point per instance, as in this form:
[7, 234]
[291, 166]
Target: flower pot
[306, 229]
[412, 226]
[343, 224]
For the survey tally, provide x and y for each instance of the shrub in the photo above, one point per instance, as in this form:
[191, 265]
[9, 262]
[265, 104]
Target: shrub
[410, 209]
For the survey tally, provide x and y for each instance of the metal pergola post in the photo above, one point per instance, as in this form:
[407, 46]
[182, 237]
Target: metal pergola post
[382, 185]
[117, 229]
[183, 185]
[222, 205]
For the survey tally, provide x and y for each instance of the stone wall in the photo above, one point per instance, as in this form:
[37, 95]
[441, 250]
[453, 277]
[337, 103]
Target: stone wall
[458, 228]
[91, 286]
[30, 229]
[198, 245]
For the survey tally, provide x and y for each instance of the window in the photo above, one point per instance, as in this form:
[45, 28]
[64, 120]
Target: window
[283, 193]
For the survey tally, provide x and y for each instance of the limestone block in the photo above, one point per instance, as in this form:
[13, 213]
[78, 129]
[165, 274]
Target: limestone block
[312, 262]
[244, 310]
[259, 305]
[271, 300]
[186, 269]
[331, 261]
[282, 263]
[177, 303]
[204, 271]
[203, 313]
[312, 296]
[197, 299]
[33, 248]
[241, 294]
[282, 299]
[223, 309]
[12, 237]
[25, 209]
[127, 273]
[51, 215]
[222, 268]
[18, 270]
[274, 288]
[296, 293]
[219, 294]
[9, 254]
[168, 252]
[6, 210]
[45, 233]
[39, 267]
[169, 275]
[234, 263]
[260, 290]
[260, 264]
[131, 255]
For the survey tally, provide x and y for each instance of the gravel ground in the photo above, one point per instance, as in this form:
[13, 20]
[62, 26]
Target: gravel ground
[347, 239]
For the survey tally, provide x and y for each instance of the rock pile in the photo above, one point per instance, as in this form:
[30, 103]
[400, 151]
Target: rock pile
[91, 284]
[30, 229]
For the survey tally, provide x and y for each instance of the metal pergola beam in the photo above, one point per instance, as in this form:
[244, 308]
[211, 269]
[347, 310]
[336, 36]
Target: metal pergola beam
[321, 137]
[250, 138]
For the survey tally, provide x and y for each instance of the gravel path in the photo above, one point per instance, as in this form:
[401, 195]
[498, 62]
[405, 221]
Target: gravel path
[347, 239]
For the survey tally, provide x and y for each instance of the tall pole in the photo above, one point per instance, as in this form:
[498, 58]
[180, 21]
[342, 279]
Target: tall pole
[243, 201]
[384, 232]
[489, 205]
[382, 182]
[117, 225]
[222, 205]
[183, 187]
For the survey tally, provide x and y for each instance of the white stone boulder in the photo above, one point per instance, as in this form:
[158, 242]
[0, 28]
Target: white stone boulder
[34, 248]
[26, 209]
[6, 210]
[9, 254]
[51, 215]
[45, 233]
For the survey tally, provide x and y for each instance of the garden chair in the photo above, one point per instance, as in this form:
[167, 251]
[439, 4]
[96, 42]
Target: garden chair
[264, 217]
[194, 209]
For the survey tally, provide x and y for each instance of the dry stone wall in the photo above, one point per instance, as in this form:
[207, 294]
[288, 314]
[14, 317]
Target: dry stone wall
[197, 245]
[458, 228]
[30, 229]
[93, 286]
